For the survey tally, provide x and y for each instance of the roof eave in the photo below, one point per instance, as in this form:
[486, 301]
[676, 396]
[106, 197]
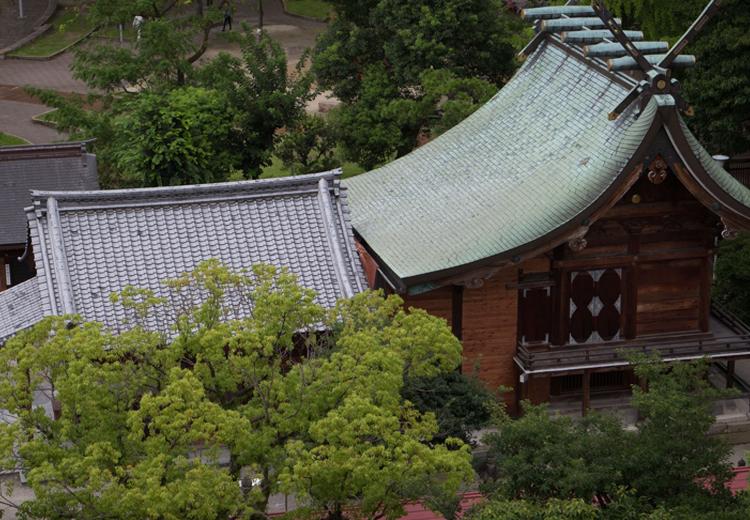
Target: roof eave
[563, 233]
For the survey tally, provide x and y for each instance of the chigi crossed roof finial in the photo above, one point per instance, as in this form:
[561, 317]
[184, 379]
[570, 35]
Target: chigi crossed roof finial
[602, 37]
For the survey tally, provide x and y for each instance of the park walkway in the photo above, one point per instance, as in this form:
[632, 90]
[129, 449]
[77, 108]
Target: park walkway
[13, 28]
[295, 34]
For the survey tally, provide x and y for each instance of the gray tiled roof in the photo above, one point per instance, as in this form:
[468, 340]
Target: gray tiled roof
[90, 244]
[64, 166]
[540, 152]
[20, 307]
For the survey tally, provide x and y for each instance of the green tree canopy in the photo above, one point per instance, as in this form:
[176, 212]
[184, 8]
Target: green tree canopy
[174, 34]
[407, 71]
[224, 119]
[138, 425]
[668, 464]
[719, 85]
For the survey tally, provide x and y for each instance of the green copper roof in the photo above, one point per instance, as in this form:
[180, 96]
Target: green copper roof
[536, 155]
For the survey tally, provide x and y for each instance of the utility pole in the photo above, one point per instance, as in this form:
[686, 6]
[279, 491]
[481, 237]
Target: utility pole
[20, 8]
[260, 14]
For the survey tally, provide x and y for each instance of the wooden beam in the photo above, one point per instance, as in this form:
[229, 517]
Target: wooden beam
[586, 403]
[730, 373]
[457, 311]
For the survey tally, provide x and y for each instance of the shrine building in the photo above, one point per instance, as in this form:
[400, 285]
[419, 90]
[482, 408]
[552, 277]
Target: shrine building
[571, 219]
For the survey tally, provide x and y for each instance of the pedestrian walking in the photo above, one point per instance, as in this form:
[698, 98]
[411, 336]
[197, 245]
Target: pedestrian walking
[227, 18]
[137, 24]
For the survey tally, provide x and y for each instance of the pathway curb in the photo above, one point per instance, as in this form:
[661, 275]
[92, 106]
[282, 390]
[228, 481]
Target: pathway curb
[301, 16]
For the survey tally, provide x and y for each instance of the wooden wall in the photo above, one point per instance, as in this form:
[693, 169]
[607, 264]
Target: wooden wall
[436, 302]
[489, 330]
[489, 326]
[668, 296]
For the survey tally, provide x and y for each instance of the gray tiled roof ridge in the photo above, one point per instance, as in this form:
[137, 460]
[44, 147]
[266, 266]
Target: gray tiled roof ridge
[59, 220]
[192, 193]
[18, 152]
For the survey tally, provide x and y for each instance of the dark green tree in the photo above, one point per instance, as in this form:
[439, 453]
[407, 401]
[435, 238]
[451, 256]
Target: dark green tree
[387, 121]
[732, 287]
[462, 404]
[669, 464]
[719, 85]
[375, 53]
[308, 146]
[262, 97]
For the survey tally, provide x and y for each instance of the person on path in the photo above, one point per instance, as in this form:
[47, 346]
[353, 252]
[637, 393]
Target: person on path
[137, 24]
[227, 18]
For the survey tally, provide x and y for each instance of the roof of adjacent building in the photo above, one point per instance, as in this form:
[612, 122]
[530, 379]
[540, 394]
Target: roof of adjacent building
[20, 308]
[64, 166]
[88, 245]
[530, 161]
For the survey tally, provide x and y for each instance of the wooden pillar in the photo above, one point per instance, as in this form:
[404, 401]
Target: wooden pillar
[563, 307]
[3, 281]
[630, 304]
[730, 373]
[705, 293]
[457, 311]
[586, 403]
[519, 391]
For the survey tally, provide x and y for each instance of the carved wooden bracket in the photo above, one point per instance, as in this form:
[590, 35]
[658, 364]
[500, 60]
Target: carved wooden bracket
[474, 283]
[657, 170]
[578, 242]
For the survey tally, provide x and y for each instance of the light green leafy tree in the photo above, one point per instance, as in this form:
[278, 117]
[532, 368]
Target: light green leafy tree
[223, 117]
[215, 382]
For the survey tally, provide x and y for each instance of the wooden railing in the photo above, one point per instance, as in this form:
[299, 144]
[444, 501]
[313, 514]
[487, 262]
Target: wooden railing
[613, 354]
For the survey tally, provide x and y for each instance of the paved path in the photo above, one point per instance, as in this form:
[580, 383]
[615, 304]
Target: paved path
[13, 28]
[15, 118]
[293, 33]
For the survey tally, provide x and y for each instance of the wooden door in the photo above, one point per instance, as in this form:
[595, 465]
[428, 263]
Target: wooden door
[534, 315]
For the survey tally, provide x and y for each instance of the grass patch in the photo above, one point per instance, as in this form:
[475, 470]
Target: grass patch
[48, 117]
[276, 169]
[317, 9]
[11, 140]
[68, 26]
[113, 32]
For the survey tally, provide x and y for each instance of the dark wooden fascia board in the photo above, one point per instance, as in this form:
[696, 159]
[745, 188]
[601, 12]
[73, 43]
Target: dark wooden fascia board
[619, 187]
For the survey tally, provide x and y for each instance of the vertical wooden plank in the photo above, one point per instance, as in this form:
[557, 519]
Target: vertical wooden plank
[457, 311]
[3, 284]
[730, 373]
[586, 403]
[705, 293]
[563, 307]
[631, 302]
